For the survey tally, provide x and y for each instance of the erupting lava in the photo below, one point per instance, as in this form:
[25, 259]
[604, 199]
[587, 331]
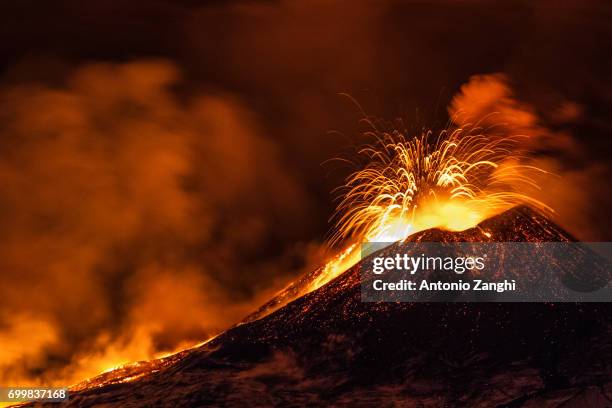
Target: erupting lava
[451, 181]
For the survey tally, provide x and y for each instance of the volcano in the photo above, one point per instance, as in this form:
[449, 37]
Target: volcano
[329, 348]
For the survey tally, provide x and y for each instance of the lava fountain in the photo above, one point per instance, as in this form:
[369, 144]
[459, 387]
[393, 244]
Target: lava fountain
[451, 181]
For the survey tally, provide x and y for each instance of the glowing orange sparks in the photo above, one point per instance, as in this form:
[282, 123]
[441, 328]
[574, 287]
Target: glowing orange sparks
[451, 181]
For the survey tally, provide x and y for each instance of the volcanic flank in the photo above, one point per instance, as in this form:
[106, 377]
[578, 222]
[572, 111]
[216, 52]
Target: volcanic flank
[329, 348]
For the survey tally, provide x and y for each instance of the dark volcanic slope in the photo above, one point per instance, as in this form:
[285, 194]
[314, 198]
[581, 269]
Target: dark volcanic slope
[329, 348]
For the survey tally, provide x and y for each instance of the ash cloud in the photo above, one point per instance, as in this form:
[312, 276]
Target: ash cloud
[134, 222]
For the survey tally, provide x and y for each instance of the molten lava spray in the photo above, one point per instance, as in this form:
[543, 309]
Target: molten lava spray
[451, 181]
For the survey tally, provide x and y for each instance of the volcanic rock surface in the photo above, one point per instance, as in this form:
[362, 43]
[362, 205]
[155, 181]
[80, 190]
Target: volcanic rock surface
[329, 348]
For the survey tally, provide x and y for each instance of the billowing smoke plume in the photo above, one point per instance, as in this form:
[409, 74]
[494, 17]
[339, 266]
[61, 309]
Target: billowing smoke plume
[573, 182]
[133, 222]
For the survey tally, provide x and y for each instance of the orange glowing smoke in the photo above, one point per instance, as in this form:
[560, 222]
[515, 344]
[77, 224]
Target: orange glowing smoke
[116, 229]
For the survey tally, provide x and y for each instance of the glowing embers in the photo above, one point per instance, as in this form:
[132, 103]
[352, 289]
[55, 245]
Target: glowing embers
[450, 181]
